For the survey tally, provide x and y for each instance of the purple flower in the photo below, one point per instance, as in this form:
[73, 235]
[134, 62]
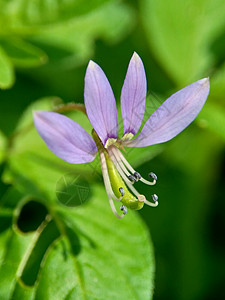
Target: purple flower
[69, 141]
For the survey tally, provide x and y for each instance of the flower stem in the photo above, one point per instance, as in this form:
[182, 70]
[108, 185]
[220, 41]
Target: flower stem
[69, 107]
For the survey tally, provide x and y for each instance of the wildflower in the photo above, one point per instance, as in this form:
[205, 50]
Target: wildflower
[69, 141]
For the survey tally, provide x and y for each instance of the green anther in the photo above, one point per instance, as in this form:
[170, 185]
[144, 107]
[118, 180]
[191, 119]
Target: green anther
[129, 200]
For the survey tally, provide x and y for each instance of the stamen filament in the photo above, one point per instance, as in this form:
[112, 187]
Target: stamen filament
[119, 154]
[120, 162]
[154, 198]
[147, 181]
[127, 181]
[114, 209]
[117, 178]
[129, 167]
[151, 203]
[108, 187]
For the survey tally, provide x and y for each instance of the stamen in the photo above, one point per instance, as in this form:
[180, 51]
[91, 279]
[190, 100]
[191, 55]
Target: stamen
[129, 167]
[120, 162]
[154, 198]
[122, 169]
[105, 174]
[119, 154]
[108, 187]
[114, 155]
[127, 181]
[114, 209]
[149, 182]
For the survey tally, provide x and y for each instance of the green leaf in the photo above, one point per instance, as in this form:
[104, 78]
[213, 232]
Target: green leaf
[180, 34]
[62, 31]
[122, 279]
[110, 22]
[6, 71]
[213, 117]
[95, 255]
[13, 250]
[56, 27]
[3, 143]
[22, 14]
[23, 54]
[217, 85]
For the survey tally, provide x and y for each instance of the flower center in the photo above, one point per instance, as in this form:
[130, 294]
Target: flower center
[110, 142]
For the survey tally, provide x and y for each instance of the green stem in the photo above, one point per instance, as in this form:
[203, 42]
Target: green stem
[70, 107]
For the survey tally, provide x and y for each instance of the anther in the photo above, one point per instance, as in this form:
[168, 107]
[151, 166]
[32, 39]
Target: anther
[152, 175]
[137, 175]
[124, 209]
[121, 191]
[154, 203]
[132, 178]
[155, 197]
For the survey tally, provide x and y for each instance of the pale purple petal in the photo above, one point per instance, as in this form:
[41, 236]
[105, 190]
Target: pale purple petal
[174, 115]
[64, 137]
[133, 95]
[100, 103]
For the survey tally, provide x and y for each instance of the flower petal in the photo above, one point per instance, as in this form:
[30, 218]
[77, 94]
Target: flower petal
[133, 95]
[64, 137]
[100, 103]
[174, 115]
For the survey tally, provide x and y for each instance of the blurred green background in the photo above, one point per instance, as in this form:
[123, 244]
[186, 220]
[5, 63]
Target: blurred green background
[45, 47]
